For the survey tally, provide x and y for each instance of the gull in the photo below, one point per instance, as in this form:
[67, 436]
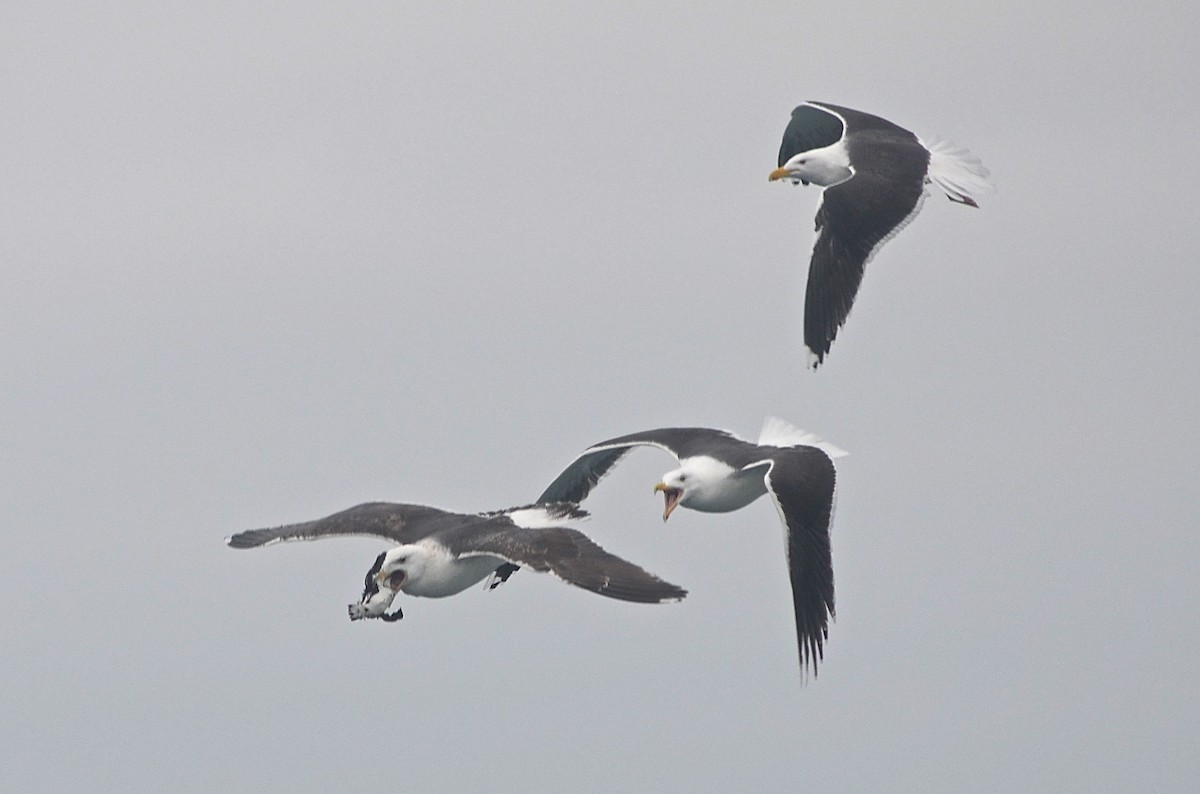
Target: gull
[719, 473]
[874, 174]
[441, 553]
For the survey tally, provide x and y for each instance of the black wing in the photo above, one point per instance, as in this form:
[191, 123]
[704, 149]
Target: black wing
[801, 481]
[400, 523]
[856, 121]
[582, 475]
[854, 220]
[811, 126]
[571, 556]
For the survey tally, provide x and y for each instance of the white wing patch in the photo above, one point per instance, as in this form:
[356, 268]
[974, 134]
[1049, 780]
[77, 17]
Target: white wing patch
[778, 432]
[544, 516]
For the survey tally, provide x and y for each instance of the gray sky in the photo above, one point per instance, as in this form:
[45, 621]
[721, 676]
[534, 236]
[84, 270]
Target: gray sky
[261, 263]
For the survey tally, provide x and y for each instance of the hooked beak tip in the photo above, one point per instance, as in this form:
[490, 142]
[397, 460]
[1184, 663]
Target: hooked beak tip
[671, 497]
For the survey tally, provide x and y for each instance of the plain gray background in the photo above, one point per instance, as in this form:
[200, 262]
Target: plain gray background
[261, 262]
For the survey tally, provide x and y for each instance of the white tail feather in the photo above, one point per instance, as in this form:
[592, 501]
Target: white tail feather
[957, 172]
[778, 432]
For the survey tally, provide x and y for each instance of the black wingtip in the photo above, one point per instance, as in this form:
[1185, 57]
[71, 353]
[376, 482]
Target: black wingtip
[670, 593]
[677, 595]
[810, 661]
[245, 540]
[812, 651]
[640, 592]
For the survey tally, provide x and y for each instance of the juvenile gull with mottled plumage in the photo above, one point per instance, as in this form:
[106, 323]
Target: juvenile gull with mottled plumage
[441, 553]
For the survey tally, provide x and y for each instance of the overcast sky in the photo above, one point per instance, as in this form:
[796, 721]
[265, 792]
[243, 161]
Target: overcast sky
[259, 263]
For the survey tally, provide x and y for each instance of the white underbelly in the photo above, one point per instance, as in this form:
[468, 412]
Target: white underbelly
[735, 493]
[445, 577]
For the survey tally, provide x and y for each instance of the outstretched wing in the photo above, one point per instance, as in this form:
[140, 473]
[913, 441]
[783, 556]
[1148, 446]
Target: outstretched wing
[400, 523]
[585, 472]
[801, 481]
[854, 219]
[569, 555]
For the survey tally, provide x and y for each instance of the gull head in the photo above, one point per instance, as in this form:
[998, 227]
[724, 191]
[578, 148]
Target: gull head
[388, 575]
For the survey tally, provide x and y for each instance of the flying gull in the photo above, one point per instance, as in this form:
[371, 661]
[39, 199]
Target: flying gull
[874, 174]
[442, 553]
[718, 473]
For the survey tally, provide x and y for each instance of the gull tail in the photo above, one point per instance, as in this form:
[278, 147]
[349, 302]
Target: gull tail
[958, 173]
[778, 432]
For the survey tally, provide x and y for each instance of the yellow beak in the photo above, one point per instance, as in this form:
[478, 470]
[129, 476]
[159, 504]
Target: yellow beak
[671, 498]
[778, 173]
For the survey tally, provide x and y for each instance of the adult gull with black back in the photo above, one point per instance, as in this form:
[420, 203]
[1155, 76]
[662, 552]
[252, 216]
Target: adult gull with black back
[718, 473]
[874, 174]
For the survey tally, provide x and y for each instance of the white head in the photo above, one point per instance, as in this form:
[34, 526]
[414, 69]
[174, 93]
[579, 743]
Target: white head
[826, 166]
[401, 565]
[691, 482]
[393, 569]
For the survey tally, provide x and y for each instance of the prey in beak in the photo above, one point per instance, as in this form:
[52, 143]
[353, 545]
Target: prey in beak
[671, 497]
[378, 595]
[374, 604]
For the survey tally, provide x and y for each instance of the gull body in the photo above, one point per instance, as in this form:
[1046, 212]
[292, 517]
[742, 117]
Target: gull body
[439, 553]
[874, 176]
[720, 473]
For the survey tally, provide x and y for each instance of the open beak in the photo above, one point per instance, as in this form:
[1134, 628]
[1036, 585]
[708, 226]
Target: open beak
[671, 497]
[391, 581]
[777, 174]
